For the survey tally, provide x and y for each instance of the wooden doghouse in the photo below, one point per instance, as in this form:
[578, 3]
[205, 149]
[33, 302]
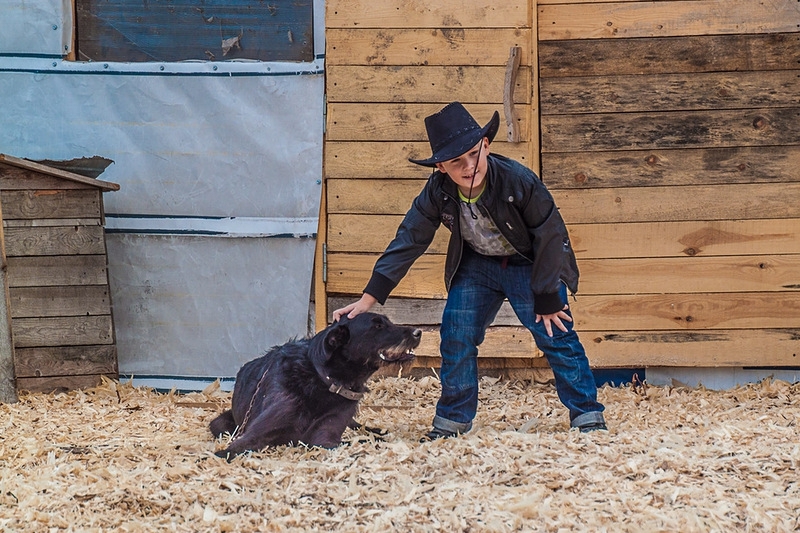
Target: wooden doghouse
[57, 292]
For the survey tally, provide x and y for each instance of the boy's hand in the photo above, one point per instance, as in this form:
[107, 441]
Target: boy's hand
[356, 308]
[555, 318]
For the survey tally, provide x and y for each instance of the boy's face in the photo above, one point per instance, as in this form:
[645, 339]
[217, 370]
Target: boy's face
[462, 168]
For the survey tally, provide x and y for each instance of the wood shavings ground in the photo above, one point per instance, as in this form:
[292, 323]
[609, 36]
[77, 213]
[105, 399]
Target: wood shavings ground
[118, 458]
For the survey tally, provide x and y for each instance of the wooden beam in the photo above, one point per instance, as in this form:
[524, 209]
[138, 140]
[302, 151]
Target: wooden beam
[423, 46]
[71, 176]
[706, 53]
[349, 273]
[665, 19]
[705, 166]
[8, 391]
[357, 159]
[603, 241]
[443, 84]
[455, 14]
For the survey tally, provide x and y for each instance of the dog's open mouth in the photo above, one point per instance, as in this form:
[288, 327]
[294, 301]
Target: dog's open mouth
[396, 356]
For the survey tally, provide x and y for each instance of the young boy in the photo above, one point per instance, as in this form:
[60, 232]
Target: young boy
[507, 240]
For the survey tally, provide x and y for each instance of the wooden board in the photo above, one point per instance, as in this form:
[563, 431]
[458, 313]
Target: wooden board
[670, 167]
[43, 271]
[349, 273]
[687, 238]
[715, 348]
[50, 384]
[706, 53]
[35, 171]
[442, 84]
[51, 204]
[665, 19]
[652, 204]
[400, 14]
[16, 178]
[687, 129]
[392, 122]
[66, 361]
[653, 312]
[8, 393]
[77, 300]
[387, 159]
[630, 204]
[619, 349]
[670, 92]
[62, 331]
[690, 312]
[423, 46]
[372, 233]
[55, 240]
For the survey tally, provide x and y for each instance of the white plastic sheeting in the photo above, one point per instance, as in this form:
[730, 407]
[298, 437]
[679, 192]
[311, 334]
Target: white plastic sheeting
[36, 27]
[199, 306]
[200, 151]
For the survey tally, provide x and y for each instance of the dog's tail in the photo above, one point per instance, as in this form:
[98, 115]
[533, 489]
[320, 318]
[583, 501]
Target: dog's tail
[224, 423]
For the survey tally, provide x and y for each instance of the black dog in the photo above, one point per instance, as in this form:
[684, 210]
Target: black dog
[307, 391]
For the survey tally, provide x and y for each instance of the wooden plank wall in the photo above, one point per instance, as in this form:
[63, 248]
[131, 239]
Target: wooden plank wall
[389, 65]
[58, 283]
[671, 142]
[669, 137]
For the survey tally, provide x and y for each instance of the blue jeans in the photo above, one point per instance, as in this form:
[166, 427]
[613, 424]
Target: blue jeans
[476, 294]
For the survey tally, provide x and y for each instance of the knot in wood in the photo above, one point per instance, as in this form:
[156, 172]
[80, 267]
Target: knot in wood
[652, 160]
[759, 123]
[580, 177]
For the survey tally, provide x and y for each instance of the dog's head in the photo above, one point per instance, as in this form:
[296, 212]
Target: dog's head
[370, 340]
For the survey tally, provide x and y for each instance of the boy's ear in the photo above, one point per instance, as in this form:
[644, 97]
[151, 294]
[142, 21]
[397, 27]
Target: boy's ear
[336, 338]
[440, 168]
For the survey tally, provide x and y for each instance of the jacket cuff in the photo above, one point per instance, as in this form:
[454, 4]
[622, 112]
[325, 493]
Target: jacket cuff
[379, 286]
[547, 304]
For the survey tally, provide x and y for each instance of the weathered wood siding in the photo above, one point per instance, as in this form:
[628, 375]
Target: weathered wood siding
[59, 299]
[388, 66]
[669, 138]
[671, 141]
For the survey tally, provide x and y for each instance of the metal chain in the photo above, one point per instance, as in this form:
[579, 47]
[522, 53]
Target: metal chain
[237, 432]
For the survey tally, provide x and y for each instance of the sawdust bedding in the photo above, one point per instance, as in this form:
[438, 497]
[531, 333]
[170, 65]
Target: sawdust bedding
[675, 459]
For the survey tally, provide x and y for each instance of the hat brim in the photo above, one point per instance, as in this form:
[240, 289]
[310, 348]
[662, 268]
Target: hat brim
[463, 144]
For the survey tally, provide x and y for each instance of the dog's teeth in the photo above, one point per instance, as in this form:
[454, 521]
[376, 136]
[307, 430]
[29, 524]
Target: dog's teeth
[382, 356]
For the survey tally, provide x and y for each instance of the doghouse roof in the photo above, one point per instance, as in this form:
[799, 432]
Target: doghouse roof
[58, 173]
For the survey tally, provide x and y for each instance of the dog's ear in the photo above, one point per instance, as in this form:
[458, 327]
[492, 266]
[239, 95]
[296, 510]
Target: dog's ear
[338, 336]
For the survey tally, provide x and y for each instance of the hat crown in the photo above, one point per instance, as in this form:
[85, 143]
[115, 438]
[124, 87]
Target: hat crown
[451, 122]
[452, 132]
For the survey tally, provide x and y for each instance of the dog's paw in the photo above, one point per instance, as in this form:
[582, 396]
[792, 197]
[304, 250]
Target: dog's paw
[358, 426]
[225, 454]
[378, 432]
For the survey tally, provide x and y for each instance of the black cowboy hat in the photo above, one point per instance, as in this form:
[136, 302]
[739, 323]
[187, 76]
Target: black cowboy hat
[452, 132]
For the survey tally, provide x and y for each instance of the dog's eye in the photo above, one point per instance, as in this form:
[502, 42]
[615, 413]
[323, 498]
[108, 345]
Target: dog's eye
[378, 323]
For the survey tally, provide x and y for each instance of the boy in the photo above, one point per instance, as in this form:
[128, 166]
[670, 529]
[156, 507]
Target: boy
[508, 240]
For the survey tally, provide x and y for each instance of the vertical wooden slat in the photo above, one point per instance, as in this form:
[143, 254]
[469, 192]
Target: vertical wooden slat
[535, 157]
[320, 289]
[8, 391]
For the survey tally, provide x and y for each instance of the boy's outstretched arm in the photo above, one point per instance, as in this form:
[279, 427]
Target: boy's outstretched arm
[356, 308]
